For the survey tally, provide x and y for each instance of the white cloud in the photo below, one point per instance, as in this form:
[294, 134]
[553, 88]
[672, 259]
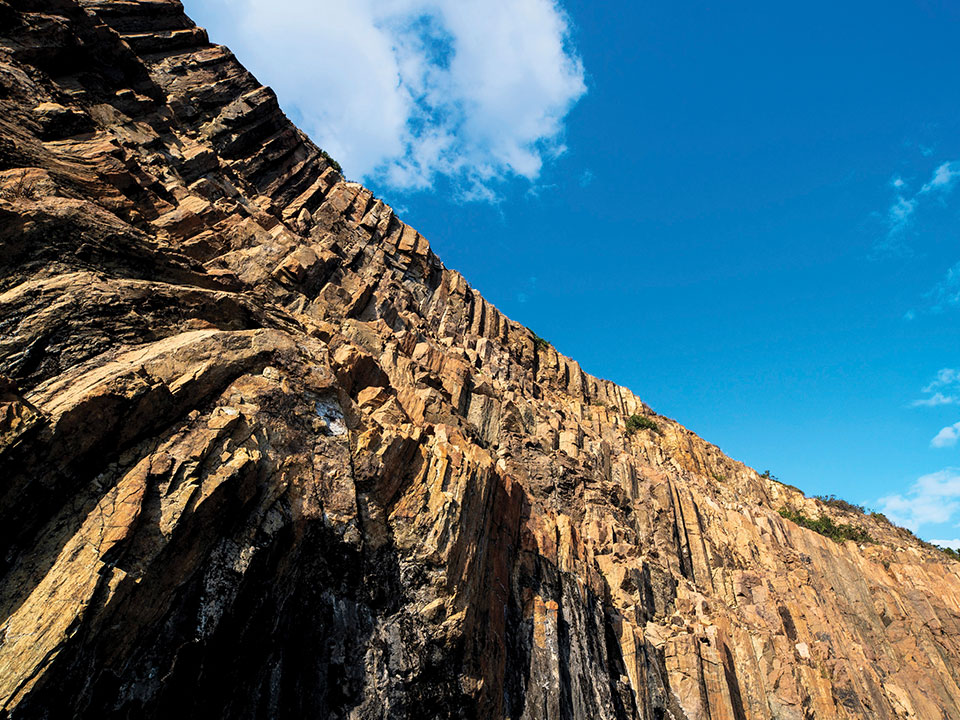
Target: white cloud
[406, 91]
[934, 498]
[947, 437]
[902, 210]
[947, 379]
[900, 215]
[946, 293]
[943, 178]
[954, 544]
[935, 400]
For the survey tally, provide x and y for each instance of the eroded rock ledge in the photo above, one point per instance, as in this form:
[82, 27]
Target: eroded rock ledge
[263, 455]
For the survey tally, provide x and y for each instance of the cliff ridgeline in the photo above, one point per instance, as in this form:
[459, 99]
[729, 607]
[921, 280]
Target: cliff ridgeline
[263, 456]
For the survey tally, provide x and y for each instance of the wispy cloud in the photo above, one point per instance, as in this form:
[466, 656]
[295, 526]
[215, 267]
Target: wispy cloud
[528, 290]
[943, 296]
[955, 543]
[943, 178]
[902, 211]
[935, 400]
[943, 390]
[408, 91]
[946, 377]
[946, 293]
[932, 499]
[947, 437]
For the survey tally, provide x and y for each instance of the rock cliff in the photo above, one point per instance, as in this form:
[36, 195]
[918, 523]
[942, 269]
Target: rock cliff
[264, 456]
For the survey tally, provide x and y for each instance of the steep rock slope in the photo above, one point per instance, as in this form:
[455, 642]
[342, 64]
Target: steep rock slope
[263, 455]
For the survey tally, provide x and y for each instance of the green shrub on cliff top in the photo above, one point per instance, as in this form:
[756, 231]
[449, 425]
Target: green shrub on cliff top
[949, 552]
[331, 162]
[640, 422]
[838, 532]
[841, 504]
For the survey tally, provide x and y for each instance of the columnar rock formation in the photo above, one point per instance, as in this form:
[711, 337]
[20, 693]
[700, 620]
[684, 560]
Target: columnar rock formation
[264, 456]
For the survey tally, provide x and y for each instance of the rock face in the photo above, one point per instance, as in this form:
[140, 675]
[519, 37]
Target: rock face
[263, 456]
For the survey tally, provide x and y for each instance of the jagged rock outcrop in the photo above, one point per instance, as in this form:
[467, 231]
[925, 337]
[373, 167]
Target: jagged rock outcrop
[264, 456]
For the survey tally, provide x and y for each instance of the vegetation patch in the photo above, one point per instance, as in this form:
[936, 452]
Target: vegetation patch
[949, 552]
[838, 532]
[840, 504]
[792, 487]
[21, 189]
[910, 534]
[641, 422]
[330, 161]
[767, 475]
[539, 342]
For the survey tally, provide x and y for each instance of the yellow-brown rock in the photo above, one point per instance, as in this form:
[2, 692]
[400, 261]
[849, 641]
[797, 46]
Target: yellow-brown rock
[263, 456]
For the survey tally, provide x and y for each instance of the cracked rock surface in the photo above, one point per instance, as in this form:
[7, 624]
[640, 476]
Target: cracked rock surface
[263, 456]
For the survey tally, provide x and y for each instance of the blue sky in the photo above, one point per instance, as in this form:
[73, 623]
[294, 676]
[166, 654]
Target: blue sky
[748, 213]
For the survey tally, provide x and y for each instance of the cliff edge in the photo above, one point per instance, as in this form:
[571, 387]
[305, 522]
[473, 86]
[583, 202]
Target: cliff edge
[264, 456]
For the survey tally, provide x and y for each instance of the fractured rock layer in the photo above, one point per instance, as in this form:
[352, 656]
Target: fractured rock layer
[263, 455]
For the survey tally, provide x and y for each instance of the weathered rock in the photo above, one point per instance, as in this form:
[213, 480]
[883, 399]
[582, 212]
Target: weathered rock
[263, 455]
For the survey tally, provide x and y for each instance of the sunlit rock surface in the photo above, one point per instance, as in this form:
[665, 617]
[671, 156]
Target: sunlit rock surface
[263, 456]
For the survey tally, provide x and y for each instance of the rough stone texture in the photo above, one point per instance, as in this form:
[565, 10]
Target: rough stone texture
[263, 455]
